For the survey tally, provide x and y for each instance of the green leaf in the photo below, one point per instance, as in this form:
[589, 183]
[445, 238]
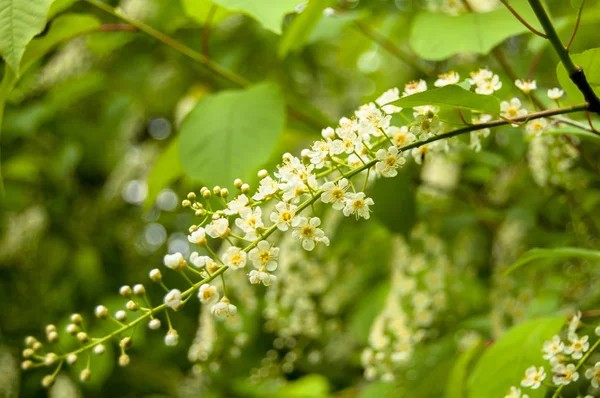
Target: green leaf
[230, 134]
[395, 203]
[590, 62]
[452, 95]
[439, 36]
[63, 28]
[366, 311]
[312, 385]
[269, 13]
[571, 130]
[199, 10]
[558, 253]
[59, 6]
[576, 3]
[299, 31]
[456, 383]
[504, 363]
[20, 21]
[167, 168]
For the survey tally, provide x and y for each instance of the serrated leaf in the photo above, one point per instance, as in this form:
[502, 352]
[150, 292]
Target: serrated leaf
[299, 31]
[269, 13]
[504, 363]
[557, 253]
[437, 36]
[590, 62]
[20, 21]
[230, 134]
[199, 10]
[452, 95]
[167, 168]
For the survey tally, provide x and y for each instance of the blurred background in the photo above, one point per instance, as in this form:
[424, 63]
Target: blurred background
[93, 187]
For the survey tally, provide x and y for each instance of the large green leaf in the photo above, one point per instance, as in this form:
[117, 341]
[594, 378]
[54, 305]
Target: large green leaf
[457, 379]
[59, 6]
[557, 253]
[231, 134]
[504, 363]
[439, 36]
[395, 203]
[299, 31]
[269, 13]
[590, 62]
[20, 21]
[167, 168]
[199, 10]
[452, 95]
[312, 385]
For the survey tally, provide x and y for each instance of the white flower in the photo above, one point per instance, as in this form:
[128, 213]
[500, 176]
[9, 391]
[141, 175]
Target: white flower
[389, 161]
[223, 309]
[264, 255]
[319, 153]
[564, 374]
[555, 93]
[486, 81]
[235, 258]
[173, 298]
[328, 133]
[426, 126]
[446, 79]
[171, 338]
[594, 375]
[512, 109]
[526, 86]
[370, 120]
[234, 206]
[578, 346]
[390, 95]
[553, 347]
[418, 153]
[218, 228]
[358, 204]
[198, 237]
[400, 135]
[480, 76]
[416, 86]
[421, 300]
[293, 188]
[175, 261]
[250, 220]
[515, 393]
[283, 215]
[257, 277]
[306, 231]
[199, 261]
[334, 193]
[575, 322]
[537, 127]
[207, 293]
[533, 377]
[346, 126]
[267, 188]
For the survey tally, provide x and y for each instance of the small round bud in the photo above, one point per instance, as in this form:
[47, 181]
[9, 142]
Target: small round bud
[50, 359]
[191, 196]
[50, 328]
[125, 291]
[215, 217]
[262, 173]
[238, 183]
[597, 331]
[172, 338]
[155, 275]
[26, 365]
[124, 360]
[224, 192]
[217, 190]
[37, 346]
[28, 353]
[205, 192]
[99, 349]
[72, 329]
[186, 203]
[125, 343]
[85, 374]
[53, 337]
[245, 188]
[132, 306]
[30, 340]
[121, 316]
[71, 359]
[48, 381]
[101, 312]
[83, 337]
[200, 212]
[139, 290]
[76, 319]
[154, 324]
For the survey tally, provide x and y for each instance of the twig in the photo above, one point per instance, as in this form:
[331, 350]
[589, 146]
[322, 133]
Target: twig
[576, 26]
[206, 31]
[524, 22]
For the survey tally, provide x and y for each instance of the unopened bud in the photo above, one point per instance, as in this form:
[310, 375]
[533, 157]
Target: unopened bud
[245, 188]
[155, 275]
[238, 183]
[132, 306]
[101, 312]
[121, 316]
[76, 319]
[139, 290]
[123, 360]
[262, 173]
[125, 291]
[83, 337]
[48, 381]
[85, 374]
[224, 192]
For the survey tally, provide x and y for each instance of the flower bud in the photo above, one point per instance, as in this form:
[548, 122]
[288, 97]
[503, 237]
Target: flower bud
[155, 275]
[132, 306]
[101, 312]
[83, 337]
[125, 291]
[121, 316]
[99, 349]
[71, 359]
[30, 340]
[28, 353]
[124, 360]
[53, 337]
[72, 329]
[125, 343]
[224, 192]
[217, 190]
[245, 188]
[154, 324]
[76, 319]
[26, 365]
[37, 346]
[85, 374]
[186, 203]
[50, 328]
[139, 290]
[172, 338]
[48, 381]
[238, 183]
[262, 173]
[50, 359]
[191, 196]
[205, 192]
